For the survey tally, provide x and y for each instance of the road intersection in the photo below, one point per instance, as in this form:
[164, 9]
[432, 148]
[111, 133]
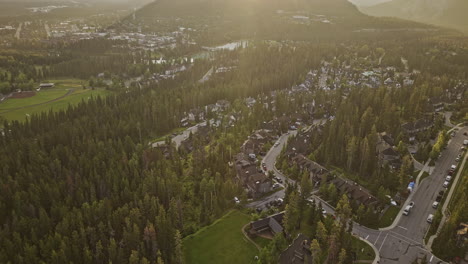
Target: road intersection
[403, 241]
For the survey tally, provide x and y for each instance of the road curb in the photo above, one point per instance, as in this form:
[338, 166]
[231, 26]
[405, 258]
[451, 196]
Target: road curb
[447, 202]
[376, 251]
[400, 213]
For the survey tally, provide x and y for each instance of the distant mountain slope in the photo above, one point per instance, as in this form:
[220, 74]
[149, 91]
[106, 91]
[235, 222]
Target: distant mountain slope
[449, 13]
[225, 20]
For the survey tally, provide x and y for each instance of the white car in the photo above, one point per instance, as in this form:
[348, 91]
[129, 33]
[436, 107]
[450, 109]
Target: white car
[435, 205]
[324, 212]
[448, 178]
[446, 184]
[454, 167]
[236, 200]
[430, 218]
[276, 144]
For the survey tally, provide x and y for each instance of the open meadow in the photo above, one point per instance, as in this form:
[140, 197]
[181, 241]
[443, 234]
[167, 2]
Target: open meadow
[66, 92]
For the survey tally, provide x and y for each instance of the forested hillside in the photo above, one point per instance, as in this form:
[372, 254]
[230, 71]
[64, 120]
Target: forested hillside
[222, 21]
[450, 13]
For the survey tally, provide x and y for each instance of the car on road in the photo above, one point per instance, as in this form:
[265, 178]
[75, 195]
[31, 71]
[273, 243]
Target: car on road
[324, 212]
[276, 144]
[448, 178]
[435, 205]
[408, 208]
[446, 184]
[275, 185]
[279, 201]
[430, 218]
[278, 179]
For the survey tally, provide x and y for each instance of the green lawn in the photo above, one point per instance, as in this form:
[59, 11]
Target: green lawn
[221, 242]
[261, 242]
[364, 251]
[61, 104]
[389, 215]
[40, 97]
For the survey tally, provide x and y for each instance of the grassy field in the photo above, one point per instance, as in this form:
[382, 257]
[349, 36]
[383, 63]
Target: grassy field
[221, 242]
[389, 215]
[261, 242]
[364, 251]
[40, 97]
[48, 99]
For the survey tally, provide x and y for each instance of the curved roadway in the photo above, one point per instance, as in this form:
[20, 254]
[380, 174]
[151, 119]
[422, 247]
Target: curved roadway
[402, 242]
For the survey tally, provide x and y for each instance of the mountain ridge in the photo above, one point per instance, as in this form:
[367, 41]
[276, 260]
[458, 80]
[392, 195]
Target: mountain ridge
[447, 13]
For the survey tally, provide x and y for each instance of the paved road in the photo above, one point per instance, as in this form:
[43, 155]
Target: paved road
[270, 160]
[405, 241]
[270, 163]
[181, 137]
[447, 202]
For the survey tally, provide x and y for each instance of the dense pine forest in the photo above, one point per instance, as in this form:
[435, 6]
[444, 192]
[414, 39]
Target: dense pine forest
[83, 185]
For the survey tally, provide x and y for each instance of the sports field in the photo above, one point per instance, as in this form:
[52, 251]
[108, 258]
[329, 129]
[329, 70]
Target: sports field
[65, 92]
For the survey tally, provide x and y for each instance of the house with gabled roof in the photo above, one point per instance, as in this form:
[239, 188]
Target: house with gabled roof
[315, 170]
[386, 153]
[268, 226]
[354, 191]
[298, 252]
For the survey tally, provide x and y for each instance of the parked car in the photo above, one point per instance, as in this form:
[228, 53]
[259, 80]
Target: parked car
[453, 167]
[448, 178]
[446, 184]
[236, 200]
[324, 212]
[430, 218]
[279, 201]
[435, 205]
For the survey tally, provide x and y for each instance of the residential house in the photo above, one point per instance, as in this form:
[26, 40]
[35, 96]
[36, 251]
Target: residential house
[268, 226]
[420, 125]
[298, 145]
[250, 102]
[316, 171]
[298, 252]
[251, 176]
[386, 152]
[223, 105]
[258, 184]
[354, 191]
[437, 104]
